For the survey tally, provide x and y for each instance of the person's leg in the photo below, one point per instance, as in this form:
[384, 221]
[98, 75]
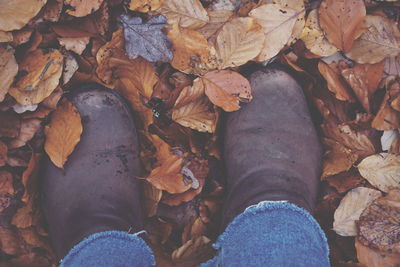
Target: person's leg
[92, 204]
[272, 153]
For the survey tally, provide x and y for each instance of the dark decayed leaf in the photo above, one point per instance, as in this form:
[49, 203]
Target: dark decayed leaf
[146, 39]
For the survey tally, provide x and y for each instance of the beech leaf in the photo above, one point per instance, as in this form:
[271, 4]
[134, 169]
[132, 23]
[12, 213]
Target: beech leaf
[81, 8]
[15, 14]
[8, 69]
[146, 39]
[218, 18]
[145, 5]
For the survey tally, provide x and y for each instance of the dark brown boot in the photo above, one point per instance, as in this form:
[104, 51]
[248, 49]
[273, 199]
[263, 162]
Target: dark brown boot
[271, 148]
[98, 189]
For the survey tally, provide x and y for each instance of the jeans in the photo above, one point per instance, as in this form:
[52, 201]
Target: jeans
[271, 233]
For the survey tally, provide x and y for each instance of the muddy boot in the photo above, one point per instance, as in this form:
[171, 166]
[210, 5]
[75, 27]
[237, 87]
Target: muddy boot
[98, 188]
[271, 148]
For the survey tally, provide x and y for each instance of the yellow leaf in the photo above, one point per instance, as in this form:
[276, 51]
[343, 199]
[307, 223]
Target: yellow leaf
[43, 71]
[278, 23]
[8, 69]
[381, 170]
[187, 13]
[191, 50]
[15, 14]
[239, 41]
[145, 5]
[63, 133]
[380, 40]
[76, 45]
[193, 109]
[314, 38]
[218, 18]
[81, 8]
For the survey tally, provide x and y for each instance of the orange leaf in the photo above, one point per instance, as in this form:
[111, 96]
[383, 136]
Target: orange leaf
[63, 133]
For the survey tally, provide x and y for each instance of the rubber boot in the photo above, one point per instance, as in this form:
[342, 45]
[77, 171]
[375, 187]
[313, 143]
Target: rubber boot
[98, 189]
[271, 148]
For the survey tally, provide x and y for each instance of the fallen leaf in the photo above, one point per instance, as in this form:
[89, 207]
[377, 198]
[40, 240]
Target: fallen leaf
[42, 73]
[225, 88]
[146, 39]
[25, 216]
[350, 209]
[52, 10]
[5, 37]
[335, 82]
[63, 133]
[342, 21]
[70, 67]
[297, 5]
[381, 170]
[193, 230]
[29, 175]
[374, 258]
[392, 66]
[337, 159]
[31, 259]
[15, 14]
[380, 40]
[145, 5]
[79, 8]
[239, 41]
[27, 131]
[9, 242]
[193, 109]
[364, 80]
[277, 23]
[218, 18]
[76, 45]
[314, 38]
[379, 224]
[18, 108]
[10, 124]
[8, 69]
[191, 50]
[388, 138]
[3, 154]
[187, 13]
[6, 183]
[150, 198]
[387, 118]
[193, 252]
[168, 176]
[345, 181]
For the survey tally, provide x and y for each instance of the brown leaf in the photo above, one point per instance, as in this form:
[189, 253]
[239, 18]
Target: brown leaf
[145, 5]
[364, 80]
[218, 18]
[5, 37]
[150, 198]
[342, 21]
[52, 100]
[194, 229]
[379, 224]
[25, 216]
[15, 14]
[380, 40]
[9, 242]
[225, 88]
[3, 154]
[79, 8]
[63, 133]
[8, 69]
[387, 118]
[29, 128]
[374, 258]
[29, 175]
[32, 259]
[76, 45]
[10, 124]
[6, 183]
[193, 109]
[345, 181]
[41, 73]
[193, 252]
[52, 10]
[168, 176]
[191, 50]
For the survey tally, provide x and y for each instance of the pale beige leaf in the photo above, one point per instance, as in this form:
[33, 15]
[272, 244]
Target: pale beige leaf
[239, 41]
[380, 40]
[314, 38]
[350, 209]
[15, 14]
[5, 37]
[63, 133]
[43, 70]
[369, 257]
[145, 5]
[70, 67]
[81, 8]
[8, 69]
[381, 170]
[76, 45]
[187, 13]
[297, 5]
[218, 18]
[277, 23]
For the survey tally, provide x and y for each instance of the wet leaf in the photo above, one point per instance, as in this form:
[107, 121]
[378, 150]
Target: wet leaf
[350, 209]
[239, 41]
[342, 21]
[8, 69]
[381, 170]
[380, 40]
[79, 8]
[145, 5]
[63, 133]
[186, 13]
[225, 88]
[42, 71]
[15, 14]
[146, 39]
[76, 45]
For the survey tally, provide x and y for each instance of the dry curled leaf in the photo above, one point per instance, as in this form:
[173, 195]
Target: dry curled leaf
[79, 8]
[41, 71]
[15, 14]
[8, 69]
[379, 224]
[380, 40]
[239, 41]
[342, 21]
[225, 88]
[350, 209]
[381, 170]
[314, 38]
[63, 133]
[187, 13]
[387, 118]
